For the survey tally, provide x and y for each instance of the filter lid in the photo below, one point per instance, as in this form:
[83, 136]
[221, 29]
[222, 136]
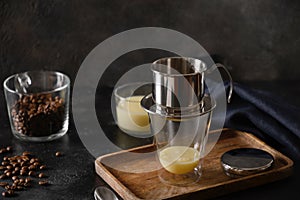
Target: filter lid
[246, 161]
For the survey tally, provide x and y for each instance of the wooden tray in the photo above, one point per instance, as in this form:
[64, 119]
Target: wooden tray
[133, 175]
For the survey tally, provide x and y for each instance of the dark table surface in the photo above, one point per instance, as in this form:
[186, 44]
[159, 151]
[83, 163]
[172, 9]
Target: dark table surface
[72, 176]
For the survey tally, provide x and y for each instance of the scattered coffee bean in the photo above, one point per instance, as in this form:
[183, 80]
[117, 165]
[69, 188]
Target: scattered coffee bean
[10, 192]
[3, 176]
[41, 175]
[42, 167]
[44, 182]
[58, 154]
[9, 148]
[3, 184]
[25, 165]
[4, 194]
[26, 153]
[3, 150]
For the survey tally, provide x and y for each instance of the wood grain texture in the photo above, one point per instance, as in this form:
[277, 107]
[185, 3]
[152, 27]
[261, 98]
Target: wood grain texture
[133, 174]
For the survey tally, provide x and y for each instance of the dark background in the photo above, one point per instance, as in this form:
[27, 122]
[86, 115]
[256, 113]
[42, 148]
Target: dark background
[258, 40]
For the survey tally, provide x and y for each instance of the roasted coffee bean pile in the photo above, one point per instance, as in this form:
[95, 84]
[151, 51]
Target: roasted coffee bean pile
[38, 114]
[20, 172]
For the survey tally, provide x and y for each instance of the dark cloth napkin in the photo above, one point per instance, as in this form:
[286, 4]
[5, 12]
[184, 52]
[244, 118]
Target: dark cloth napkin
[269, 118]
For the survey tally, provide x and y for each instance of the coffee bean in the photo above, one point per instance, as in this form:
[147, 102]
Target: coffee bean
[5, 158]
[4, 194]
[41, 175]
[2, 167]
[3, 184]
[27, 180]
[4, 163]
[26, 153]
[25, 158]
[14, 178]
[42, 167]
[9, 148]
[27, 184]
[3, 150]
[23, 163]
[32, 167]
[8, 174]
[31, 173]
[19, 187]
[58, 154]
[3, 176]
[44, 182]
[9, 167]
[23, 172]
[10, 192]
[14, 164]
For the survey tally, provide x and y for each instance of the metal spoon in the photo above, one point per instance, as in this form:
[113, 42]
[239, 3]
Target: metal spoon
[22, 82]
[104, 193]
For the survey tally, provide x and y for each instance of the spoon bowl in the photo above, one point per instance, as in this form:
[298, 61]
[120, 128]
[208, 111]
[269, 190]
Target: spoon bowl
[104, 193]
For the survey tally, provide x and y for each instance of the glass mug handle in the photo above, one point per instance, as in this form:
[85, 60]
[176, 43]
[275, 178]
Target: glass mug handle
[219, 65]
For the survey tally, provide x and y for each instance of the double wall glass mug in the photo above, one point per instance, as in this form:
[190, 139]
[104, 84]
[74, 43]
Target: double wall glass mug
[38, 105]
[180, 139]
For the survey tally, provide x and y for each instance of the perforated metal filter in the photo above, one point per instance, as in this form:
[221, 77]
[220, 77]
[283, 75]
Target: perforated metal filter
[246, 161]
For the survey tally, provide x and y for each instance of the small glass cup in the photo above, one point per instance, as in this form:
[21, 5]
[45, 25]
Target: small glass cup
[130, 116]
[38, 105]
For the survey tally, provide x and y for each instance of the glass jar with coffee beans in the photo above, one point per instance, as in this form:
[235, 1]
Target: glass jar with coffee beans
[38, 104]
